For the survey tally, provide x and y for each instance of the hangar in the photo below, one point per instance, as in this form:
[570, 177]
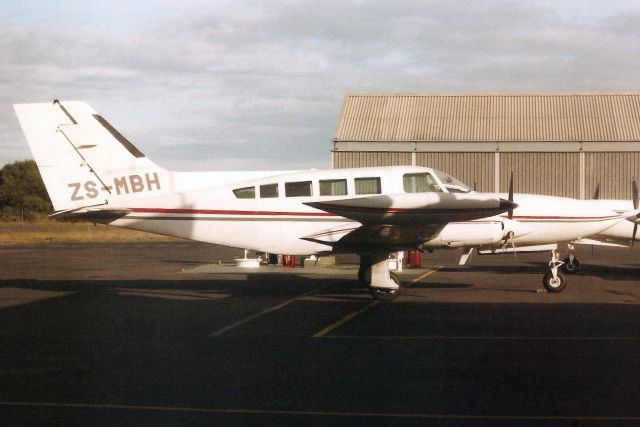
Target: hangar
[556, 144]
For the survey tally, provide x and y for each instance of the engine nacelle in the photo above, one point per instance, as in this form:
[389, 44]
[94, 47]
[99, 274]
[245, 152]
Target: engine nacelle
[468, 234]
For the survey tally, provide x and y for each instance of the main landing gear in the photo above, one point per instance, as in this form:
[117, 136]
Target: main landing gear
[374, 272]
[554, 281]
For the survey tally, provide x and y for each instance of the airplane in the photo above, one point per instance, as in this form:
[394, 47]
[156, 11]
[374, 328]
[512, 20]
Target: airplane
[92, 172]
[622, 234]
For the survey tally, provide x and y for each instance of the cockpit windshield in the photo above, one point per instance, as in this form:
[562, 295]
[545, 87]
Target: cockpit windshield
[452, 184]
[420, 183]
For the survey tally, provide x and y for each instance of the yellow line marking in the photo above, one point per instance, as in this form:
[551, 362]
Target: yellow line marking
[426, 274]
[195, 410]
[234, 325]
[355, 314]
[488, 338]
[345, 319]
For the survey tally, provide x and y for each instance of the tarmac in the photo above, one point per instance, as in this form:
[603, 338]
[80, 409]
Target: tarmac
[167, 334]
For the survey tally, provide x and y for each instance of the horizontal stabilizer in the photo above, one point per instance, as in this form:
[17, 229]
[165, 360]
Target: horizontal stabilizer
[103, 215]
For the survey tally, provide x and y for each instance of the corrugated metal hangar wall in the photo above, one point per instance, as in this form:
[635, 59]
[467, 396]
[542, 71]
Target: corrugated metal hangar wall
[560, 145]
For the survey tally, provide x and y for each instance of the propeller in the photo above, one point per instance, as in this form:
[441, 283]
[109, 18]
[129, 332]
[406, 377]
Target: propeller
[510, 214]
[596, 194]
[634, 196]
[508, 238]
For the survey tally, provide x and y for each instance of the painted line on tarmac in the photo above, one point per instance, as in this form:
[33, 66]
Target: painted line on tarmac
[425, 274]
[234, 325]
[345, 319]
[351, 316]
[242, 411]
[463, 338]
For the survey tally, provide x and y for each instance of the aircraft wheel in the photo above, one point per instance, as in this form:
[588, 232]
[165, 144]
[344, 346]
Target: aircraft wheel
[384, 294]
[554, 285]
[569, 268]
[364, 272]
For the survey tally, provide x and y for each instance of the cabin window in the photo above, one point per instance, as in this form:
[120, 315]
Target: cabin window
[368, 185]
[297, 189]
[419, 183]
[269, 191]
[333, 187]
[245, 193]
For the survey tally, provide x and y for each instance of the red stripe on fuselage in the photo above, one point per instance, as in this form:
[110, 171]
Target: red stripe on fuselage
[228, 212]
[583, 218]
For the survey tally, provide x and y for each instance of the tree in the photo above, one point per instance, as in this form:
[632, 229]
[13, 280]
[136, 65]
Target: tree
[22, 189]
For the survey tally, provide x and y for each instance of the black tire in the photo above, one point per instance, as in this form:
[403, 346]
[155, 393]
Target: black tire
[554, 286]
[383, 294]
[364, 276]
[364, 272]
[395, 278]
[571, 268]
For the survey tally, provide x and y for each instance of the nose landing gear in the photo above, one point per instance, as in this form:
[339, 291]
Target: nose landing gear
[554, 281]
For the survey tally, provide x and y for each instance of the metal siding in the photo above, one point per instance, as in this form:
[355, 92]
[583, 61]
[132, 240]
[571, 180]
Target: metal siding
[470, 168]
[411, 117]
[614, 172]
[555, 174]
[345, 159]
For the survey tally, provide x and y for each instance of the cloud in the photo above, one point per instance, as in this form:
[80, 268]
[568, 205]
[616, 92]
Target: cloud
[245, 83]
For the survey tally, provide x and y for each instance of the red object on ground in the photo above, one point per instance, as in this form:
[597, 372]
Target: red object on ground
[289, 260]
[415, 259]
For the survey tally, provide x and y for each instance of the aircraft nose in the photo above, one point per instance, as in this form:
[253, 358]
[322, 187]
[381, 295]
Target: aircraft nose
[507, 204]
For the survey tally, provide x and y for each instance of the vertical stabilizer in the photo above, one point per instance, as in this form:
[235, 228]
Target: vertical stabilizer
[83, 160]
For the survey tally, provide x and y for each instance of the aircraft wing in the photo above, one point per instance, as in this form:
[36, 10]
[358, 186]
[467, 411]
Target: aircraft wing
[386, 237]
[401, 221]
[416, 209]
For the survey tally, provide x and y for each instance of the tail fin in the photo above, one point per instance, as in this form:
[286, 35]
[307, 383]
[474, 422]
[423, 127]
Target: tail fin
[83, 160]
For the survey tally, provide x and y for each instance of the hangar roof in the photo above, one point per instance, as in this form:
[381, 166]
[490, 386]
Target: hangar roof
[490, 117]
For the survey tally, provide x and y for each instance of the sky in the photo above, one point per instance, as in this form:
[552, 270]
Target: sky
[258, 85]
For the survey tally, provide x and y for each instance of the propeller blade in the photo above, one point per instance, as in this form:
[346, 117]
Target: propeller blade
[510, 214]
[596, 194]
[634, 196]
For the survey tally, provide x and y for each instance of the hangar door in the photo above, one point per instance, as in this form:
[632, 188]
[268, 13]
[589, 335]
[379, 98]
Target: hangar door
[614, 172]
[469, 168]
[541, 173]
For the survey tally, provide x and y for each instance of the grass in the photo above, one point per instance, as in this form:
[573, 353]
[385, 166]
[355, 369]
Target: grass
[49, 231]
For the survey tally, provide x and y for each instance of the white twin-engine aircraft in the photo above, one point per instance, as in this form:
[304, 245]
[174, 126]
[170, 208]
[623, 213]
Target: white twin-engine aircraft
[92, 172]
